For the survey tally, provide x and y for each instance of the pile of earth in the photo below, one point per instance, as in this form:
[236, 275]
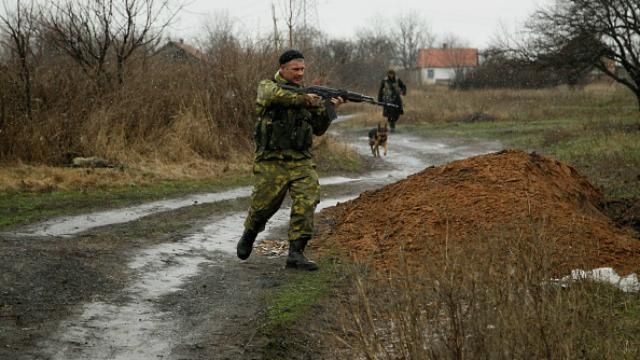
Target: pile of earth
[474, 200]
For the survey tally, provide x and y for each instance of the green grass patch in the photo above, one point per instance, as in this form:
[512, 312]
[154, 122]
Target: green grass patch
[607, 151]
[303, 290]
[18, 208]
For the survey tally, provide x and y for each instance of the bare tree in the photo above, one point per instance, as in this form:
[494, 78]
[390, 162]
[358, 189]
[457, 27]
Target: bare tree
[91, 31]
[292, 12]
[18, 28]
[410, 33]
[220, 33]
[373, 52]
[276, 33]
[83, 31]
[298, 15]
[614, 26]
[138, 23]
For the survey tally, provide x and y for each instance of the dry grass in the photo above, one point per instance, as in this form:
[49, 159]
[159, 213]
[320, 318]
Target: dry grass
[333, 156]
[470, 305]
[440, 104]
[43, 178]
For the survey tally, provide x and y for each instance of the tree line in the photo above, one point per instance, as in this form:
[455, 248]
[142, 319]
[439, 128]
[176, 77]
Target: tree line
[563, 43]
[83, 77]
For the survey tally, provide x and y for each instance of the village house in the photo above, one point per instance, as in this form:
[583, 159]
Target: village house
[442, 65]
[179, 51]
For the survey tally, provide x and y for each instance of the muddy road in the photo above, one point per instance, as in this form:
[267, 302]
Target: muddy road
[161, 280]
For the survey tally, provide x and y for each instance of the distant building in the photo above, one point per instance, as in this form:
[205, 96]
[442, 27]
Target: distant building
[599, 75]
[179, 51]
[442, 65]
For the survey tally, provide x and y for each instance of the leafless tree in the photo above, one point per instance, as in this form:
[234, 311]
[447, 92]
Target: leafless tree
[18, 27]
[373, 53]
[83, 31]
[276, 33]
[137, 24]
[220, 33]
[410, 33]
[297, 16]
[614, 26]
[91, 31]
[292, 12]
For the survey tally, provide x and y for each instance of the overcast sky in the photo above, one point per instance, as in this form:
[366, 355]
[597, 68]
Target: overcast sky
[475, 21]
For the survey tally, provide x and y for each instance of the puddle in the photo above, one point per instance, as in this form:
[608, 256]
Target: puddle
[72, 225]
[137, 330]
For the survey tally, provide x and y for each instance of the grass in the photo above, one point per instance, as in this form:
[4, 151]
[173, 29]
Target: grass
[301, 292]
[33, 193]
[471, 306]
[597, 130]
[293, 309]
[334, 157]
[18, 208]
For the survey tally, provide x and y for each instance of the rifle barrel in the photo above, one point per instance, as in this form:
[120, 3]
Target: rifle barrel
[327, 92]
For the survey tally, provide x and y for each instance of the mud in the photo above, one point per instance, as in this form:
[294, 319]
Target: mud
[160, 280]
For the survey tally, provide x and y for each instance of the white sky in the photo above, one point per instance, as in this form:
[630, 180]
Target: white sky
[474, 21]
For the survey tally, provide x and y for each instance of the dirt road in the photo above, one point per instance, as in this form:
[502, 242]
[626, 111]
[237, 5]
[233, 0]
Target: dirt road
[161, 280]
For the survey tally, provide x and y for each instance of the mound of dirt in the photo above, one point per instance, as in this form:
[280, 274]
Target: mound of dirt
[477, 199]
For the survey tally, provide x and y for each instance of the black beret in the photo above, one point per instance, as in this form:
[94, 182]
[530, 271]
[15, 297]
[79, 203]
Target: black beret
[290, 55]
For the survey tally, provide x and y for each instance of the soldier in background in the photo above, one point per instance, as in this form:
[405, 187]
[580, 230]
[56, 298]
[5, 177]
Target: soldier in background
[283, 164]
[391, 89]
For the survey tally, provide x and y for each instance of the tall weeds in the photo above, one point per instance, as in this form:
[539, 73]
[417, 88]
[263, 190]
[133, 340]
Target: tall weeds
[490, 299]
[192, 109]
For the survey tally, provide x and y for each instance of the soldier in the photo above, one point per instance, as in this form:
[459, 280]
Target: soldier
[283, 135]
[390, 90]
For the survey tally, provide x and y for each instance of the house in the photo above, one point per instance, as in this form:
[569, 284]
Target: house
[442, 65]
[179, 51]
[599, 75]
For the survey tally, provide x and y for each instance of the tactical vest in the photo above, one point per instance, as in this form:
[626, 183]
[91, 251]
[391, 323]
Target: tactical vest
[280, 128]
[390, 91]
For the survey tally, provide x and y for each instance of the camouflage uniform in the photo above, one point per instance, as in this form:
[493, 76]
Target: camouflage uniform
[283, 135]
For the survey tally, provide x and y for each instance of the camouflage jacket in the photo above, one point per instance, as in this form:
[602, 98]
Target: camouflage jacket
[286, 123]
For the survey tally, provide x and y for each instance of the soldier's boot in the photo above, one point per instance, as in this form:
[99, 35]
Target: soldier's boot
[296, 258]
[245, 245]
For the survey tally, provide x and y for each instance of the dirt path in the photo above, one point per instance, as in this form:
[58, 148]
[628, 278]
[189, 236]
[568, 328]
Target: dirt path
[161, 281]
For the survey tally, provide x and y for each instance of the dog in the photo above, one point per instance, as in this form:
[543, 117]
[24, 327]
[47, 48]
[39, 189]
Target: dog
[377, 138]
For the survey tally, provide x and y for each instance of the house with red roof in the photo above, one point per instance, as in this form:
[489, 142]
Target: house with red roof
[442, 65]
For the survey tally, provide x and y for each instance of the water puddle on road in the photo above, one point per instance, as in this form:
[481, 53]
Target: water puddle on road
[137, 329]
[72, 225]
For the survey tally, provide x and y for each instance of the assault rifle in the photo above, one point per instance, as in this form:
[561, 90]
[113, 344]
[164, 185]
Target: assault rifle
[327, 93]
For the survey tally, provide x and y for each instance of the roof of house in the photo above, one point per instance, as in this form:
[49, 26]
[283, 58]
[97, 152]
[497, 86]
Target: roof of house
[188, 49]
[447, 58]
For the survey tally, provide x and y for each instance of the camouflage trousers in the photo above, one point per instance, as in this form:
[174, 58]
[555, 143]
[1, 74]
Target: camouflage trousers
[273, 180]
